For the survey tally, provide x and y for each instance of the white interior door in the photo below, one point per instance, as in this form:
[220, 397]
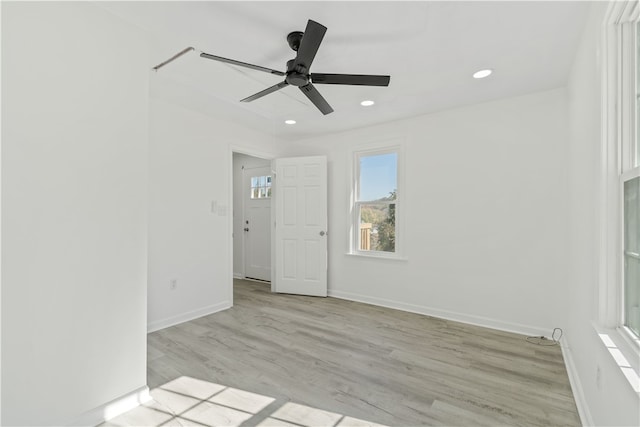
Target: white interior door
[300, 198]
[257, 223]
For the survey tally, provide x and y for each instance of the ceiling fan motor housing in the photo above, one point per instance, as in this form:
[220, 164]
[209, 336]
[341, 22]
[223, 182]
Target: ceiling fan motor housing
[297, 75]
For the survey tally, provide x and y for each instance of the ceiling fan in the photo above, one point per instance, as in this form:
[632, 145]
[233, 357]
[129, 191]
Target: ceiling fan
[306, 45]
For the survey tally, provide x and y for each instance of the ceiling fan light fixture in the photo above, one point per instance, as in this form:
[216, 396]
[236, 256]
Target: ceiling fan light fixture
[367, 103]
[290, 122]
[481, 74]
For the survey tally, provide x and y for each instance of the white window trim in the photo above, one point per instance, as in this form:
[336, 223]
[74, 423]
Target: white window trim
[380, 147]
[630, 338]
[618, 130]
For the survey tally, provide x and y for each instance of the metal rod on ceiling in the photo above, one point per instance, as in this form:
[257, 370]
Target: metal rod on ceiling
[174, 57]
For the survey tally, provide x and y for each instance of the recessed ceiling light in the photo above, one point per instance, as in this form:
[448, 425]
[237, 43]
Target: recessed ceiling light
[367, 103]
[290, 122]
[482, 74]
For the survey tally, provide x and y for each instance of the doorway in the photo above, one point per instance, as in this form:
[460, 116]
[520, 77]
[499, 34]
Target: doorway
[252, 192]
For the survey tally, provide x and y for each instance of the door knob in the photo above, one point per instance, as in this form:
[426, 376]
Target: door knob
[246, 229]
[322, 233]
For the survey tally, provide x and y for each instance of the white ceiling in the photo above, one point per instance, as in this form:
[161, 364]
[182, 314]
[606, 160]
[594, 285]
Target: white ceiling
[430, 49]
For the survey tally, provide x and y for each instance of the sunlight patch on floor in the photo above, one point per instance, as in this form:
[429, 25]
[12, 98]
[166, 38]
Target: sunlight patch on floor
[188, 401]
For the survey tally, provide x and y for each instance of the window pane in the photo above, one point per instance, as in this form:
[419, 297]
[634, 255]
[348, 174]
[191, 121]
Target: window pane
[377, 227]
[260, 187]
[378, 177]
[632, 254]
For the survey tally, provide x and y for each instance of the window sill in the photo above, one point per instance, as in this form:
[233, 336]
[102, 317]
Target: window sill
[624, 352]
[377, 256]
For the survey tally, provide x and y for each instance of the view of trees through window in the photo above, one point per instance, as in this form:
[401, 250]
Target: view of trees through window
[378, 225]
[377, 201]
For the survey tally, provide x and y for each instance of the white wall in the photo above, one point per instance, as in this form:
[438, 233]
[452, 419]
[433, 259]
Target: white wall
[74, 177]
[485, 211]
[240, 160]
[491, 214]
[190, 167]
[614, 402]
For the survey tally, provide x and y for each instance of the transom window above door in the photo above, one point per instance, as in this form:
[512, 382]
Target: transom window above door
[261, 187]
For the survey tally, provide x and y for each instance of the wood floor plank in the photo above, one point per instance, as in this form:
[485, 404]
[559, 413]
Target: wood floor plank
[353, 364]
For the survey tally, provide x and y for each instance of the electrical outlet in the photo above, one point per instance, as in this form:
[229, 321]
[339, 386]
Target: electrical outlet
[173, 284]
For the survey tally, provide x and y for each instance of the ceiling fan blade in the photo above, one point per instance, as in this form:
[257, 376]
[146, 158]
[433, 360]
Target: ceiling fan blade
[350, 79]
[267, 91]
[314, 96]
[241, 64]
[313, 35]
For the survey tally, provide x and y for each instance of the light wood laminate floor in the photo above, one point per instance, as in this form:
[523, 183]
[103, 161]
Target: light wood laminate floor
[294, 360]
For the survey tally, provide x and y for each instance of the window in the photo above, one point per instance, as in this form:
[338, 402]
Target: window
[630, 201]
[620, 302]
[376, 202]
[619, 197]
[261, 187]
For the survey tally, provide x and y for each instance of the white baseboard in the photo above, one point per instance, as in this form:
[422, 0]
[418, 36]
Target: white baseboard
[443, 314]
[576, 385]
[114, 408]
[185, 317]
[238, 275]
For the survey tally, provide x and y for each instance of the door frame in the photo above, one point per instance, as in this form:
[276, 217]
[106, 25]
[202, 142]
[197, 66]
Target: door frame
[248, 151]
